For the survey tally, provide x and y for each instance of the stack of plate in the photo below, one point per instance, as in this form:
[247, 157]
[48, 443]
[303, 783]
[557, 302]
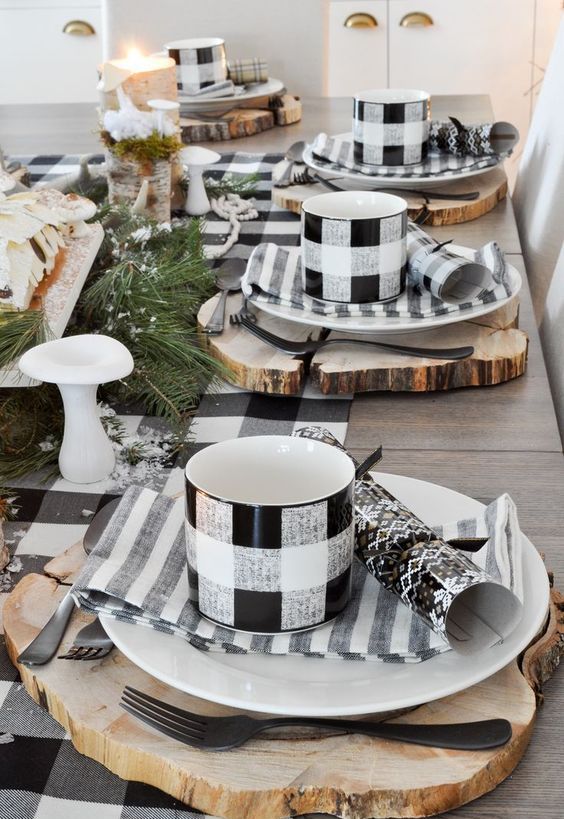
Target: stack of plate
[190, 105]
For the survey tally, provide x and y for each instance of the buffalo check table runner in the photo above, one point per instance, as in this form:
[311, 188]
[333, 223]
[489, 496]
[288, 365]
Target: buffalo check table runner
[42, 776]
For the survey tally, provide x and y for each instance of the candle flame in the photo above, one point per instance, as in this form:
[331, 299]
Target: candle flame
[135, 59]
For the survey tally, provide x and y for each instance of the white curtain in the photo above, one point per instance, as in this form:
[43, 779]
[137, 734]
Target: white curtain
[539, 207]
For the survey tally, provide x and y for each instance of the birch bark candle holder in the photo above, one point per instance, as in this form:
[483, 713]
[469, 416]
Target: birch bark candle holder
[141, 78]
[126, 177]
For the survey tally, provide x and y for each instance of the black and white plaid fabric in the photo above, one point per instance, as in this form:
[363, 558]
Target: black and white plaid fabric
[274, 275]
[337, 153]
[390, 133]
[41, 774]
[197, 68]
[354, 260]
[247, 71]
[122, 580]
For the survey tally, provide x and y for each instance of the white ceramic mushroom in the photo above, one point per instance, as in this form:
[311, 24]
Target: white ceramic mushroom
[77, 365]
[196, 158]
[140, 204]
[162, 108]
[74, 210]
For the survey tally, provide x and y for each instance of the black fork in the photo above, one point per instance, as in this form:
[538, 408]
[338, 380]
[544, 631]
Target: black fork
[223, 733]
[312, 346]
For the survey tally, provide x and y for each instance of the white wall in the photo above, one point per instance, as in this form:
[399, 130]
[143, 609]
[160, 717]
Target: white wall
[292, 32]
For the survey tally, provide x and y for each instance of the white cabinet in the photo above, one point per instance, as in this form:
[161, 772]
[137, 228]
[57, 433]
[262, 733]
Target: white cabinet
[39, 60]
[357, 47]
[477, 47]
[495, 47]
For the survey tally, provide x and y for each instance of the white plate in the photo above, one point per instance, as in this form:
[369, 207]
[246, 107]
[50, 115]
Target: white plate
[319, 687]
[264, 89]
[362, 180]
[390, 325]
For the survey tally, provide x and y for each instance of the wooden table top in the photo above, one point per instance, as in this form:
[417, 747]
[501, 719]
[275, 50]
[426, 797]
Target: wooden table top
[481, 441]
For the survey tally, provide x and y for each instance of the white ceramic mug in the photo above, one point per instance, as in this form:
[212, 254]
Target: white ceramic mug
[354, 246]
[200, 62]
[270, 532]
[391, 127]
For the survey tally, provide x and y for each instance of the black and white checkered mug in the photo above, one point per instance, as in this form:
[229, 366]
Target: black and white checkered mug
[199, 62]
[354, 246]
[391, 127]
[270, 532]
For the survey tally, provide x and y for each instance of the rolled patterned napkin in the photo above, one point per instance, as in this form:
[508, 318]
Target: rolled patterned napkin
[485, 139]
[471, 603]
[438, 281]
[247, 71]
[138, 573]
[338, 152]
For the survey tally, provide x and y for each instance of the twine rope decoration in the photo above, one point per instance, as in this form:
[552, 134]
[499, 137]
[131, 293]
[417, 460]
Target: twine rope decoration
[234, 210]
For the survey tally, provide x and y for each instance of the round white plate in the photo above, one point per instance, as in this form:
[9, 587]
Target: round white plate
[264, 89]
[322, 687]
[362, 180]
[391, 325]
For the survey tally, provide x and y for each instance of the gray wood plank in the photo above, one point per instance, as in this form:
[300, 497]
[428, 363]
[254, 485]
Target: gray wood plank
[518, 415]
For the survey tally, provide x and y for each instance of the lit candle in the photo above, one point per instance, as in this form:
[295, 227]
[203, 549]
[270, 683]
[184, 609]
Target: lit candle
[140, 77]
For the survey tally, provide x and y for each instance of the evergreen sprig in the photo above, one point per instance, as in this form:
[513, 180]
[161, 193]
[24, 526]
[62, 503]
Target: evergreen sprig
[148, 298]
[19, 331]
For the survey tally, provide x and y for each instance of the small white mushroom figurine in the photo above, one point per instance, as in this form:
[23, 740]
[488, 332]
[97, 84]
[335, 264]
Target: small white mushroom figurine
[78, 364]
[165, 125]
[74, 210]
[196, 158]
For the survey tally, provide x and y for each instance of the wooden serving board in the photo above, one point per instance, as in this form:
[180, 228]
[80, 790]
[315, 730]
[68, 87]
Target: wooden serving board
[244, 120]
[284, 773]
[57, 293]
[492, 186]
[500, 355]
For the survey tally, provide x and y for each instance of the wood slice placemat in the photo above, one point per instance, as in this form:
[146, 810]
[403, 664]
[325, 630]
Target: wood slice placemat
[282, 773]
[500, 355]
[492, 186]
[244, 120]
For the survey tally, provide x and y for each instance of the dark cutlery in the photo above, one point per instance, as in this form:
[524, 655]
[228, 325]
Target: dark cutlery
[228, 281]
[311, 346]
[45, 645]
[307, 177]
[223, 733]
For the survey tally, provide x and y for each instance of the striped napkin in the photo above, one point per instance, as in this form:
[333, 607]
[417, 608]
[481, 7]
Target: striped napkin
[338, 152]
[225, 88]
[438, 281]
[138, 573]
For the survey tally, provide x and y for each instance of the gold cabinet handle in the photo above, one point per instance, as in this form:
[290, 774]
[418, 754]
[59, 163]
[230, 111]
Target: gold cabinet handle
[360, 20]
[79, 28]
[416, 18]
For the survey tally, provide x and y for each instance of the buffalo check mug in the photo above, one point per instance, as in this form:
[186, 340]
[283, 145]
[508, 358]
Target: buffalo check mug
[391, 127]
[354, 246]
[200, 62]
[270, 532]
